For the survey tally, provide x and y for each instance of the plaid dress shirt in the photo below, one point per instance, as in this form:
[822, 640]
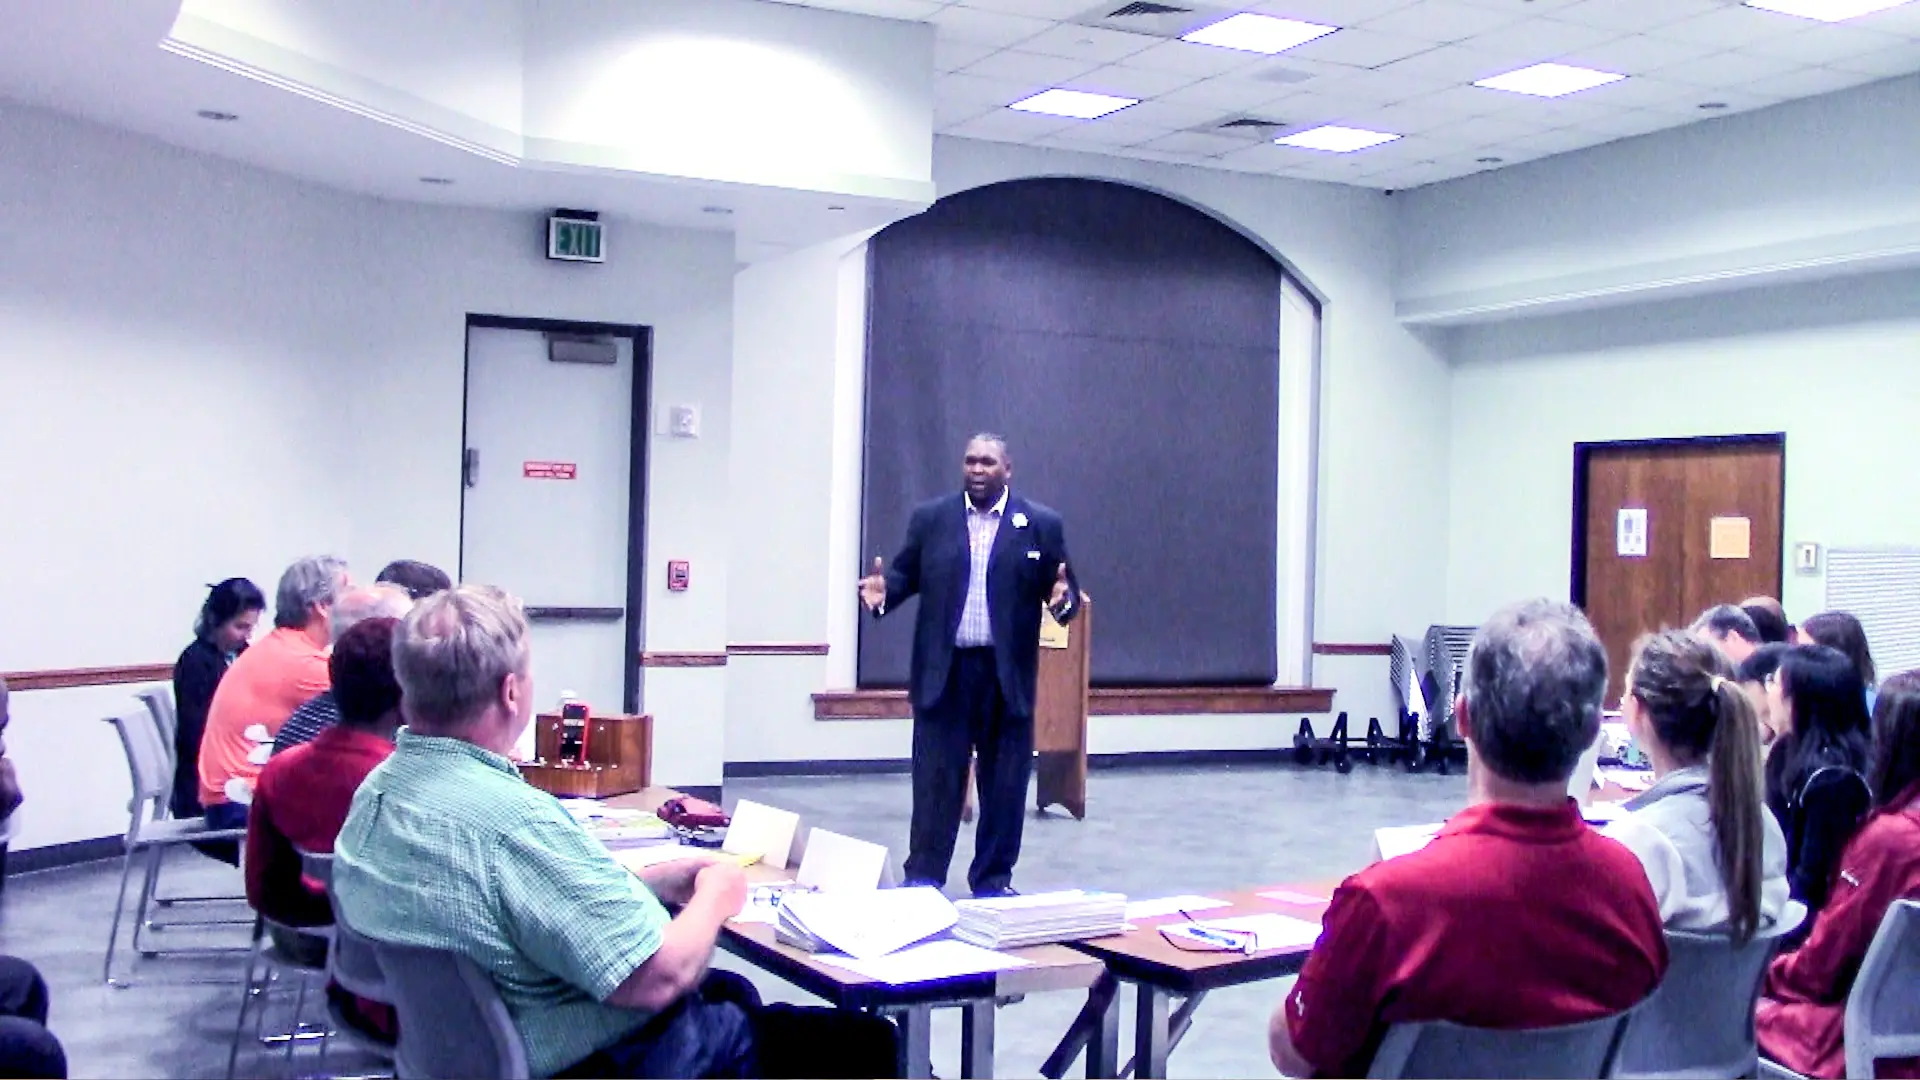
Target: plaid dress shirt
[447, 847]
[976, 626]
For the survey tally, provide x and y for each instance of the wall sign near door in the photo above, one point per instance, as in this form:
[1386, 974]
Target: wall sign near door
[1630, 534]
[1730, 538]
[550, 470]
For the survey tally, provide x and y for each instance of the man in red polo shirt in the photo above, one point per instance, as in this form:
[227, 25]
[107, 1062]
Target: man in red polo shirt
[1517, 915]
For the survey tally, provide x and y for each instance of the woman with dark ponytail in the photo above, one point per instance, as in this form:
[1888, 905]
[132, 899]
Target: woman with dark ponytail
[226, 623]
[1716, 859]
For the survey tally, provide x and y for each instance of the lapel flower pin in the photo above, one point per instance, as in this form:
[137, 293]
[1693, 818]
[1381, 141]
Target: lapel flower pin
[1019, 520]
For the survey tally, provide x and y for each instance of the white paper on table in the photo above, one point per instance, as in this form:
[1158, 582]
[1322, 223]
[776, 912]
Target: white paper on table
[759, 829]
[837, 863]
[1288, 896]
[642, 857]
[1631, 779]
[874, 922]
[1269, 931]
[1172, 905]
[944, 959]
[1602, 813]
[1393, 841]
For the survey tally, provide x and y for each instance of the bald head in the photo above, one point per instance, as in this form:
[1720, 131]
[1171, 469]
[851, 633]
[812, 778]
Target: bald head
[381, 601]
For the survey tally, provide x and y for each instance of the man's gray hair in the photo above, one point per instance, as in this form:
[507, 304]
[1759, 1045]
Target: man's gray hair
[1723, 619]
[997, 440]
[1534, 683]
[378, 601]
[453, 649]
[315, 579]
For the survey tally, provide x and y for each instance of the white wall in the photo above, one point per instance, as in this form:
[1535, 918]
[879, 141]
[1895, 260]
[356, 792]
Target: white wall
[1831, 364]
[211, 370]
[1823, 182]
[1383, 458]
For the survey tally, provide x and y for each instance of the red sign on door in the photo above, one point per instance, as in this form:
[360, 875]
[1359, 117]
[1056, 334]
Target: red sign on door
[549, 470]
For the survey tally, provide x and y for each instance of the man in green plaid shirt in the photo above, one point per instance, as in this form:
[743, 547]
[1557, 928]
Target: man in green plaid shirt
[448, 848]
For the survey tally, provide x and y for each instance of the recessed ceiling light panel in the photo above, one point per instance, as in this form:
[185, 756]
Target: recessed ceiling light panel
[1073, 104]
[1334, 139]
[1550, 80]
[1826, 10]
[1258, 33]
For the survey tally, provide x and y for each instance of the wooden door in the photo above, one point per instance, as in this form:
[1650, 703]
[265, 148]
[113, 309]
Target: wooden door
[1691, 490]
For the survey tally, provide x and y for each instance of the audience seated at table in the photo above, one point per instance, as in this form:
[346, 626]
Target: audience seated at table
[322, 711]
[1770, 619]
[421, 580]
[1731, 629]
[266, 683]
[447, 847]
[1517, 915]
[225, 626]
[1802, 1016]
[1715, 857]
[1816, 774]
[1839, 630]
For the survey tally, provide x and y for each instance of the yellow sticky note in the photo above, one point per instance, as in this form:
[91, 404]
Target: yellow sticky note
[1730, 538]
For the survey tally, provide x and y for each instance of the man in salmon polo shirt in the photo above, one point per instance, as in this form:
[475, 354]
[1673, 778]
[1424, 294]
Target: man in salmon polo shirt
[266, 683]
[1517, 915]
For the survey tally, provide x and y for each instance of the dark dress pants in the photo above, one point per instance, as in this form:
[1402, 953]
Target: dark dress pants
[27, 1048]
[971, 718]
[723, 1030]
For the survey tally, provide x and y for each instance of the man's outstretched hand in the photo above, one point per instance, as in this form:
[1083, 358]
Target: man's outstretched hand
[873, 587]
[1061, 591]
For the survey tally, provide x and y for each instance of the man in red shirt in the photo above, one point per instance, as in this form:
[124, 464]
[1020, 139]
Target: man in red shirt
[1517, 915]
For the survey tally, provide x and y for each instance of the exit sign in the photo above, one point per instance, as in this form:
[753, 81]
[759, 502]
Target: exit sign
[575, 239]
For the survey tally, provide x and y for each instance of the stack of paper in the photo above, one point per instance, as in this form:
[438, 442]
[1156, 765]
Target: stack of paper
[618, 828]
[863, 924]
[1012, 921]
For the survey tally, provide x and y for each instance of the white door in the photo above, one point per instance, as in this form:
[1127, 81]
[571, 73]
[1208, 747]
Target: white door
[545, 512]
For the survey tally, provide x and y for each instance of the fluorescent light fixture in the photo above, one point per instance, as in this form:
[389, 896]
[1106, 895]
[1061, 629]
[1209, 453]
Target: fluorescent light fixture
[1077, 104]
[1826, 10]
[1260, 33]
[1335, 139]
[1550, 80]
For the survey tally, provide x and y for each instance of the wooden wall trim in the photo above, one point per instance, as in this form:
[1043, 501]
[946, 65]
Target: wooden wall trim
[777, 648]
[683, 659]
[1106, 701]
[1344, 648]
[65, 678]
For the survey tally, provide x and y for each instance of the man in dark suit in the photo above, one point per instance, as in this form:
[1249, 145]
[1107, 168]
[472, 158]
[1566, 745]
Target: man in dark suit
[982, 564]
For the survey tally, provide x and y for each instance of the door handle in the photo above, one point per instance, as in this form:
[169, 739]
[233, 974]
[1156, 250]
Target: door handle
[470, 467]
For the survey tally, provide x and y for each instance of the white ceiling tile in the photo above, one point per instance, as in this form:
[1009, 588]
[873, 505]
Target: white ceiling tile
[1006, 125]
[1644, 92]
[1635, 55]
[986, 27]
[1900, 60]
[1086, 43]
[1109, 131]
[975, 89]
[1173, 117]
[1483, 131]
[1029, 68]
[950, 55]
[1727, 69]
[1467, 101]
[1633, 122]
[1122, 81]
[1535, 40]
[1329, 12]
[1533, 7]
[1808, 82]
[1824, 44]
[911, 10]
[1561, 112]
[1407, 118]
[1634, 16]
[1224, 94]
[1561, 140]
[1735, 100]
[948, 113]
[1360, 48]
[1196, 143]
[1903, 20]
[1731, 27]
[1443, 21]
[1307, 109]
[1188, 58]
[1378, 88]
[1037, 9]
[1452, 64]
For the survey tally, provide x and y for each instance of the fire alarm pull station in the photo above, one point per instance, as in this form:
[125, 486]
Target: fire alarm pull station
[678, 572]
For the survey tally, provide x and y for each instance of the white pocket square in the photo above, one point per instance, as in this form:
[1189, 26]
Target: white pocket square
[1033, 555]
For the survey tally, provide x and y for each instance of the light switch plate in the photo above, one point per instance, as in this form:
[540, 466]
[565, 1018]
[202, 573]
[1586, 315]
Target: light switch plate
[1806, 558]
[683, 421]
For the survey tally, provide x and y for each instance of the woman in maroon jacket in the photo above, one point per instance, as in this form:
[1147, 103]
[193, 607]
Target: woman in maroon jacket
[1802, 1017]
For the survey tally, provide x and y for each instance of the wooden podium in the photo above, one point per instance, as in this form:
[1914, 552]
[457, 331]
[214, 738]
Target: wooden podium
[619, 757]
[1060, 712]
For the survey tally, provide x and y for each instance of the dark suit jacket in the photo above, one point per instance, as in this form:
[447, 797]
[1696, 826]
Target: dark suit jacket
[934, 562]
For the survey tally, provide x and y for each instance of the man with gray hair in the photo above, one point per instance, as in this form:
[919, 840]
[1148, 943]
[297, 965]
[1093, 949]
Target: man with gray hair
[378, 601]
[1517, 915]
[1730, 629]
[265, 684]
[447, 847]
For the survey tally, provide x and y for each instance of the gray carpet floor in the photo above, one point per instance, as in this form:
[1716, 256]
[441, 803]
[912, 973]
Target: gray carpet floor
[1148, 832]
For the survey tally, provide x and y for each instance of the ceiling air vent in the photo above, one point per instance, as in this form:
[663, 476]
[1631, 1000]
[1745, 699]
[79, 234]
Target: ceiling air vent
[1258, 128]
[1143, 9]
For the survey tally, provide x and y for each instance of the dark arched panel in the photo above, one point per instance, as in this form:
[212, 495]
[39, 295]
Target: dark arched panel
[1128, 347]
